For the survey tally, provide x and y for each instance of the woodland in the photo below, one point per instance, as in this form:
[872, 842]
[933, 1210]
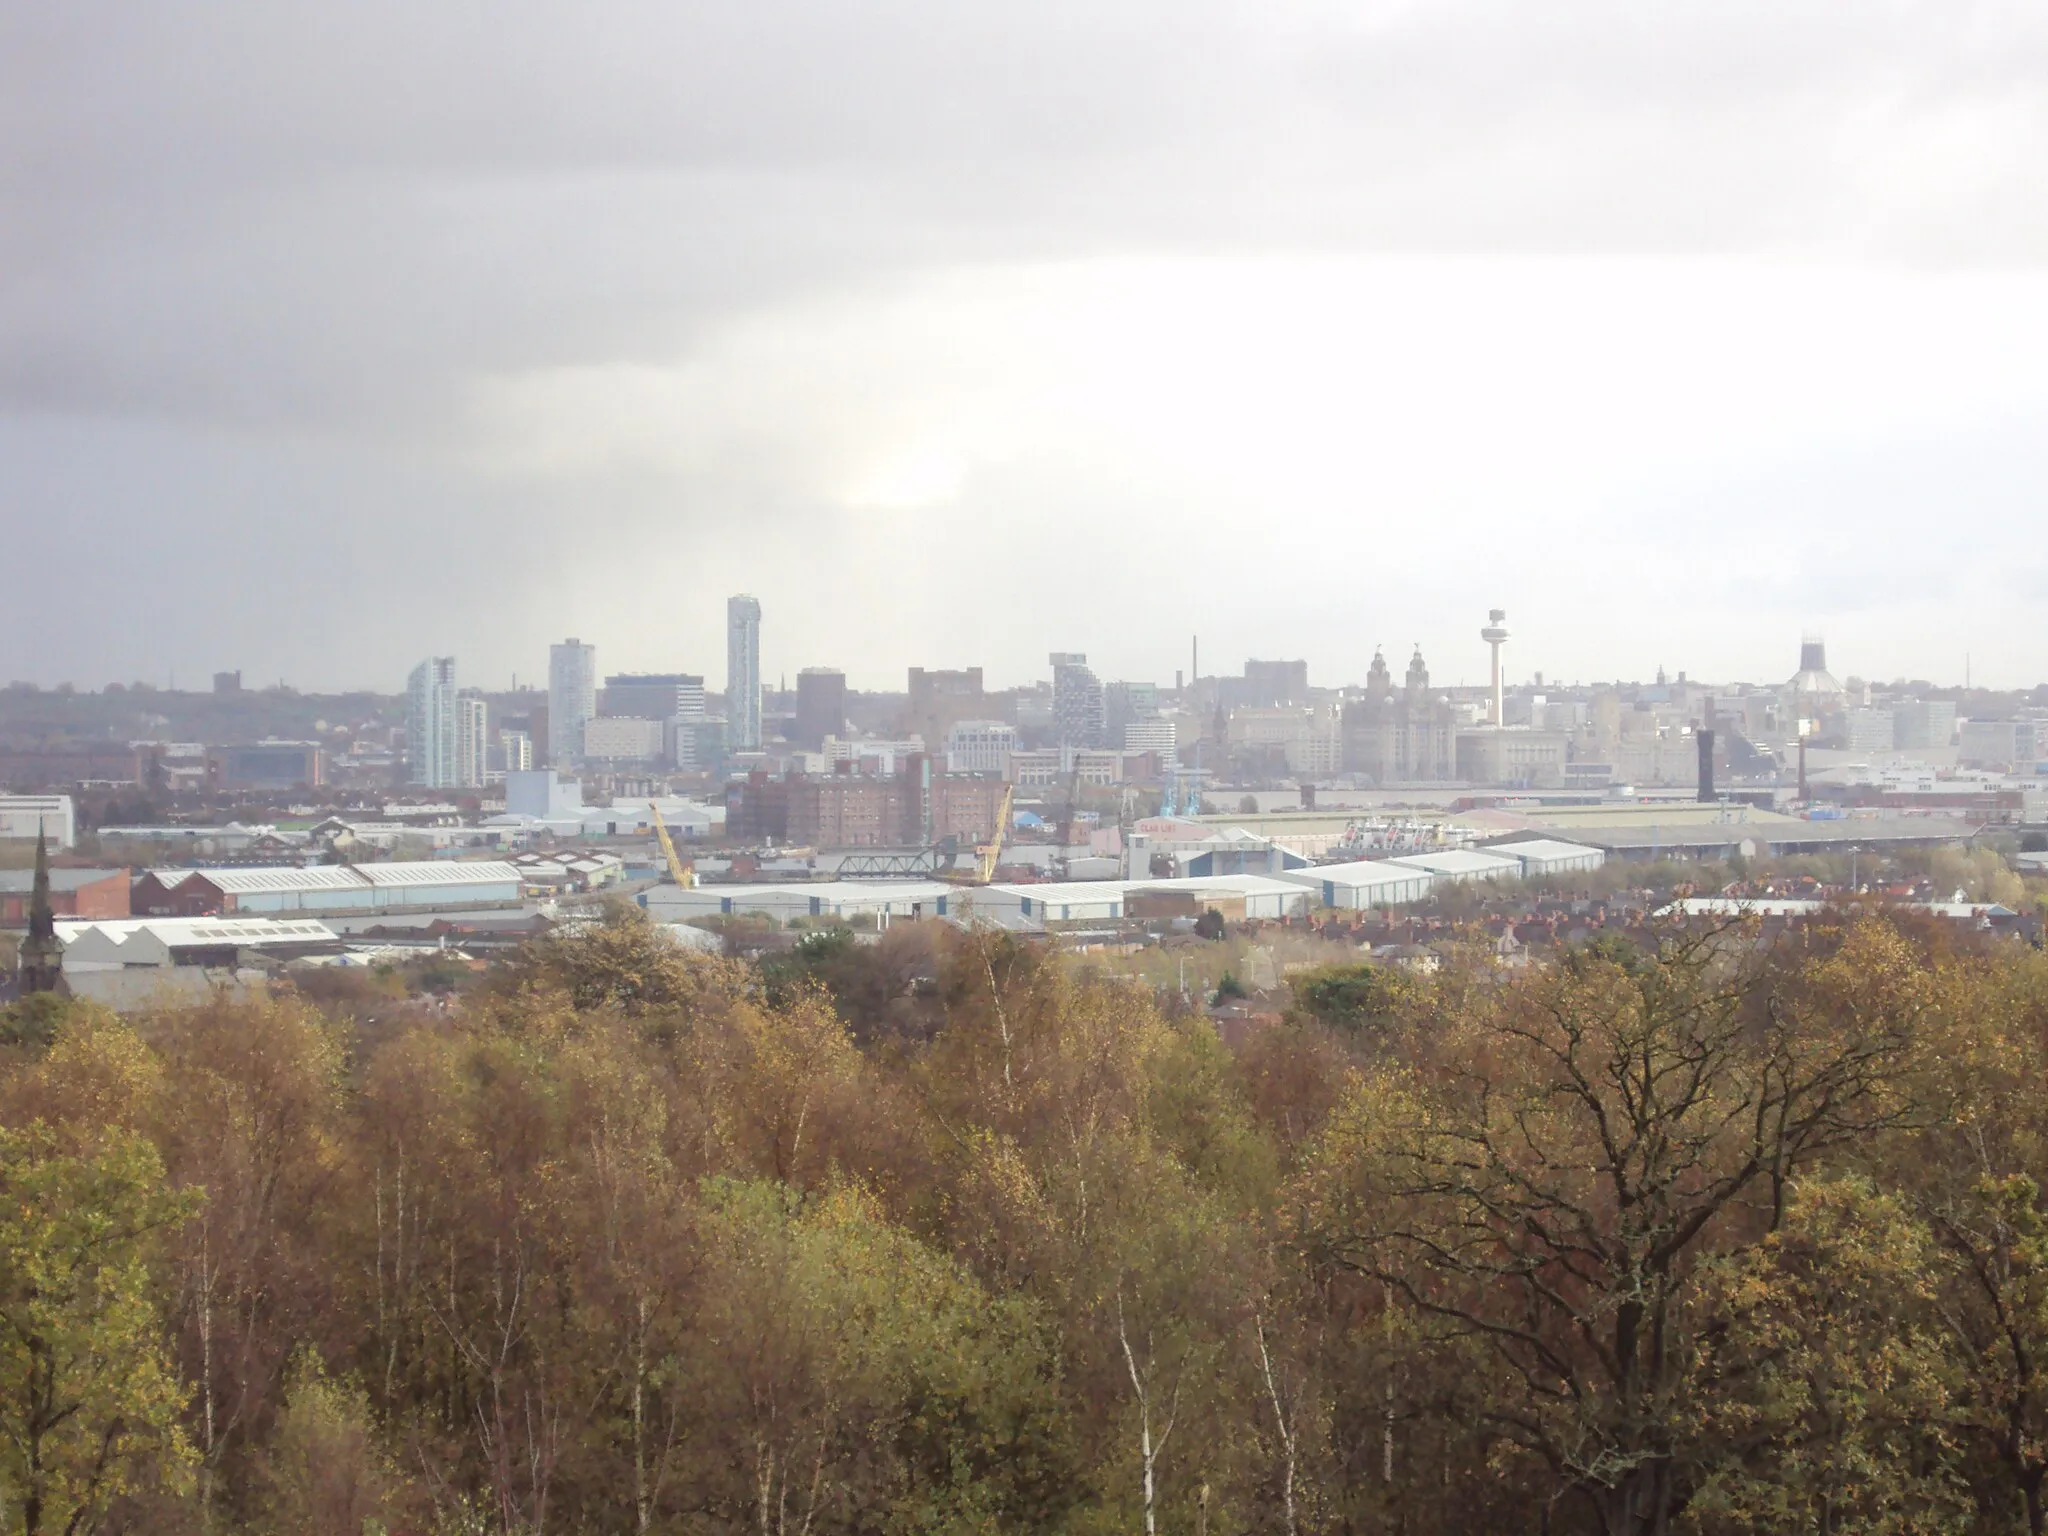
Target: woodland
[953, 1233]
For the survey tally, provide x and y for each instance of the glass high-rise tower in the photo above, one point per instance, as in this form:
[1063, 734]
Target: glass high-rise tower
[431, 725]
[743, 673]
[572, 698]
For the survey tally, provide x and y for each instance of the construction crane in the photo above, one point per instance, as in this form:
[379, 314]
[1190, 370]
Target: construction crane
[988, 853]
[683, 873]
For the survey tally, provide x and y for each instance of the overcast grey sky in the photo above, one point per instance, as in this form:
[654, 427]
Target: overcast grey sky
[335, 336]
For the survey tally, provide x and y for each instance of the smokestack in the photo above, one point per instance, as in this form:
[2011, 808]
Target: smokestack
[1707, 795]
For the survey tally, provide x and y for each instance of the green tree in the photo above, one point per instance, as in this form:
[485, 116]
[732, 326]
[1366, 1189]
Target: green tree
[88, 1403]
[323, 1473]
[1547, 1187]
[1826, 1396]
[1353, 999]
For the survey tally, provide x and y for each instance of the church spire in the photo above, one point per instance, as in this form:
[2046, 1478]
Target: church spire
[42, 957]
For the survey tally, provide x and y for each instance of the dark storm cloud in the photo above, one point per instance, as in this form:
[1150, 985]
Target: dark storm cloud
[280, 208]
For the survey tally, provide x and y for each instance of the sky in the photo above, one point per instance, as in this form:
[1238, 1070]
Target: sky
[332, 337]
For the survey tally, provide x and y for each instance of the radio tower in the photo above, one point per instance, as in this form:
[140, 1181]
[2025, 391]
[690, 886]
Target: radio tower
[1495, 634]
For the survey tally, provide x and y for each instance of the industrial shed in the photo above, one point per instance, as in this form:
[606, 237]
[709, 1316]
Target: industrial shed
[1550, 856]
[1033, 906]
[843, 899]
[1364, 883]
[1236, 897]
[339, 889]
[1460, 864]
[155, 943]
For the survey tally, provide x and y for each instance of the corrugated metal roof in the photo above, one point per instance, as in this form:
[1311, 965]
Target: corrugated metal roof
[1063, 892]
[1236, 885]
[282, 880]
[1542, 848]
[1460, 861]
[185, 931]
[1360, 872]
[439, 872]
[251, 882]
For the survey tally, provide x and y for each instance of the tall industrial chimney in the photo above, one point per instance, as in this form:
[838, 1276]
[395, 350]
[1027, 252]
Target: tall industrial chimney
[1495, 634]
[1707, 795]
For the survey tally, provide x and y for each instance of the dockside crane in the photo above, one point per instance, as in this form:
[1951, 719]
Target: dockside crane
[682, 872]
[990, 853]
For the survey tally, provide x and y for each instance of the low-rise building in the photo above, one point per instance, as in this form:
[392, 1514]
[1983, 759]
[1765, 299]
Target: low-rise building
[75, 893]
[1541, 856]
[24, 818]
[336, 889]
[1364, 883]
[147, 943]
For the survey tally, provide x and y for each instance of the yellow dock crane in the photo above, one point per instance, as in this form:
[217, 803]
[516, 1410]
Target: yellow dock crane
[987, 854]
[682, 872]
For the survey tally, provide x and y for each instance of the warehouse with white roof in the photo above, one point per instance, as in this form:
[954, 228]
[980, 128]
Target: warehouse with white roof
[1541, 856]
[1364, 883]
[843, 899]
[339, 889]
[1456, 865]
[116, 944]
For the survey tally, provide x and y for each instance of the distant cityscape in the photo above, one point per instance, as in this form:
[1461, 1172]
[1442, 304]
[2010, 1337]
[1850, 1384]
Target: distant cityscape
[1069, 803]
[1266, 726]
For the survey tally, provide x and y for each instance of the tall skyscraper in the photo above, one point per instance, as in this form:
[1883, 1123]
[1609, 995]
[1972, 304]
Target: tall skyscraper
[1078, 713]
[743, 673]
[572, 698]
[430, 723]
[472, 742]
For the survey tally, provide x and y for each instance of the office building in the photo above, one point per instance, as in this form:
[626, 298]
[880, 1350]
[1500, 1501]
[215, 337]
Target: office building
[980, 746]
[1923, 723]
[1154, 736]
[743, 673]
[267, 765]
[516, 748]
[820, 706]
[1079, 716]
[430, 724]
[653, 696]
[612, 739]
[2010, 744]
[572, 698]
[1869, 731]
[1273, 683]
[940, 699]
[1127, 703]
[697, 746]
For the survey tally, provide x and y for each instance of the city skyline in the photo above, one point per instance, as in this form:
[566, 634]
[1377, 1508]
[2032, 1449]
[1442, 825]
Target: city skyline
[1450, 669]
